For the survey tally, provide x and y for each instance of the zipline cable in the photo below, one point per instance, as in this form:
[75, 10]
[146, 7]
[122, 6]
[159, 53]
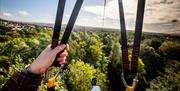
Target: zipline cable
[104, 12]
[124, 46]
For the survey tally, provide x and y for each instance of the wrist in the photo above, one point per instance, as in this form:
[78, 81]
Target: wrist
[37, 70]
[27, 71]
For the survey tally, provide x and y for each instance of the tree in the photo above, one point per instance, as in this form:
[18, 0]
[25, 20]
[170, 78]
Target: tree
[80, 74]
[170, 49]
[168, 80]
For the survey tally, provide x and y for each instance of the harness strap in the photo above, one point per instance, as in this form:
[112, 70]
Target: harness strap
[138, 33]
[132, 86]
[58, 23]
[56, 33]
[124, 46]
[69, 26]
[136, 47]
[71, 21]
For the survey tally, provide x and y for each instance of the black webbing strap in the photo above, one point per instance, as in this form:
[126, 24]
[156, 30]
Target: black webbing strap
[68, 29]
[51, 89]
[138, 32]
[124, 46]
[58, 23]
[69, 26]
[71, 21]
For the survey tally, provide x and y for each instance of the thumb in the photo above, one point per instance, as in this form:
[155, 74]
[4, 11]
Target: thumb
[59, 48]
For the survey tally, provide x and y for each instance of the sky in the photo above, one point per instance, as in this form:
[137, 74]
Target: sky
[159, 14]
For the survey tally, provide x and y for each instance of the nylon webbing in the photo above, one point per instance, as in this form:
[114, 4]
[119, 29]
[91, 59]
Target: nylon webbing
[68, 30]
[58, 23]
[138, 32]
[71, 21]
[69, 26]
[124, 46]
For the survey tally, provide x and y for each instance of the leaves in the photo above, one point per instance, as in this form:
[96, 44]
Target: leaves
[94, 54]
[168, 80]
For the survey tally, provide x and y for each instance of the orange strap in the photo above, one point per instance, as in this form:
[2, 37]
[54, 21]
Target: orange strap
[129, 88]
[51, 82]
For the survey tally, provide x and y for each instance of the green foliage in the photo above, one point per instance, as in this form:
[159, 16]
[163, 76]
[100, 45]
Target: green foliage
[168, 80]
[153, 42]
[79, 75]
[95, 54]
[141, 69]
[4, 62]
[60, 80]
[116, 59]
[20, 48]
[108, 39]
[158, 65]
[5, 74]
[151, 58]
[4, 29]
[170, 49]
[88, 47]
[114, 67]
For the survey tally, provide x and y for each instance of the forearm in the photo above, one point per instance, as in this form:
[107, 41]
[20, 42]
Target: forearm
[30, 78]
[22, 82]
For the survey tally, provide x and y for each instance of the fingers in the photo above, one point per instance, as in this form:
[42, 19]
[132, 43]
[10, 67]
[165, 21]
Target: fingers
[67, 47]
[61, 60]
[63, 54]
[62, 57]
[59, 48]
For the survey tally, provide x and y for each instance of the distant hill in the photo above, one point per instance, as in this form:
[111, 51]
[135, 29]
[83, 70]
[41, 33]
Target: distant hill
[89, 28]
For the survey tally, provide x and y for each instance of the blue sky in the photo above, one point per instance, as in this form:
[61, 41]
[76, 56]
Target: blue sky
[40, 10]
[43, 11]
[34, 10]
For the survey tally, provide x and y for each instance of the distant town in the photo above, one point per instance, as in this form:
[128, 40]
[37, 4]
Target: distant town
[18, 26]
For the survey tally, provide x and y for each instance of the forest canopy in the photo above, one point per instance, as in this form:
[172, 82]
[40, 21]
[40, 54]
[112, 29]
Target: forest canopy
[94, 54]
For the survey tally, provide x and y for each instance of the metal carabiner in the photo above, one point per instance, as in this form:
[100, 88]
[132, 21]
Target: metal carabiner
[51, 80]
[134, 84]
[123, 80]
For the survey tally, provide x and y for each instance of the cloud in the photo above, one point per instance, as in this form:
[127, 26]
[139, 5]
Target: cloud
[23, 13]
[94, 9]
[112, 9]
[159, 14]
[112, 12]
[157, 2]
[67, 15]
[156, 11]
[162, 11]
[7, 14]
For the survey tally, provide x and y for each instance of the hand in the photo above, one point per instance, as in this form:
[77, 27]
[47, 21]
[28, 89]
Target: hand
[47, 57]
